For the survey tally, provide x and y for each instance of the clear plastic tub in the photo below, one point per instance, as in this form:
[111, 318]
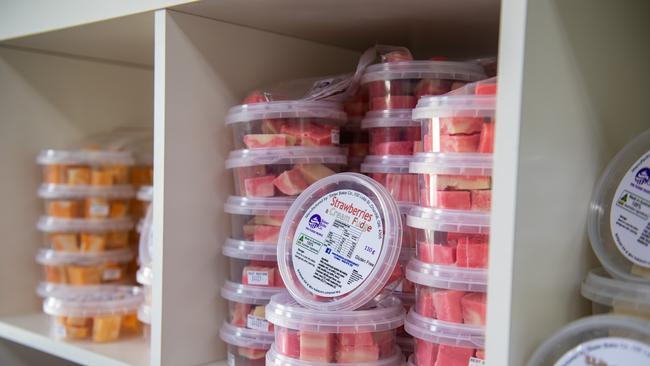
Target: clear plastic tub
[246, 305]
[140, 205]
[404, 257]
[601, 339]
[257, 219]
[100, 316]
[409, 234]
[144, 316]
[450, 237]
[339, 244]
[449, 294]
[618, 218]
[91, 202]
[445, 344]
[461, 121]
[81, 269]
[392, 172]
[610, 295]
[399, 85]
[392, 132]
[454, 181]
[286, 123]
[282, 171]
[275, 358]
[145, 239]
[253, 263]
[85, 167]
[85, 235]
[352, 337]
[246, 347]
[144, 276]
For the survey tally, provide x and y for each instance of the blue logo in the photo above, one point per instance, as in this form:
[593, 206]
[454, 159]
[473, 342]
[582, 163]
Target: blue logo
[328, 250]
[643, 176]
[314, 221]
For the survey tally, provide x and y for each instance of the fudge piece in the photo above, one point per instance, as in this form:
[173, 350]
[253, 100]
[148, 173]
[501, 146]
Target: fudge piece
[64, 208]
[119, 209]
[251, 353]
[100, 177]
[460, 125]
[117, 239]
[78, 176]
[474, 308]
[259, 186]
[272, 220]
[460, 182]
[93, 242]
[394, 102]
[426, 353]
[486, 142]
[272, 126]
[53, 174]
[447, 305]
[469, 255]
[256, 319]
[355, 339]
[131, 324]
[82, 275]
[453, 356]
[266, 233]
[239, 314]
[459, 143]
[481, 200]
[436, 253]
[55, 274]
[455, 200]
[106, 328]
[316, 347]
[314, 172]
[424, 304]
[288, 342]
[384, 134]
[265, 140]
[65, 242]
[249, 231]
[357, 354]
[290, 182]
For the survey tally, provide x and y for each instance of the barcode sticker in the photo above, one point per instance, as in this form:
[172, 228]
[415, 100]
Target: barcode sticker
[259, 278]
[473, 361]
[112, 274]
[255, 322]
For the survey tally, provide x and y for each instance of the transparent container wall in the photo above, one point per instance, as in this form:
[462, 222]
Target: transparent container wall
[248, 316]
[403, 140]
[452, 249]
[402, 187]
[256, 228]
[428, 354]
[453, 306]
[96, 175]
[87, 242]
[279, 179]
[98, 329]
[456, 192]
[80, 274]
[245, 356]
[458, 134]
[281, 132]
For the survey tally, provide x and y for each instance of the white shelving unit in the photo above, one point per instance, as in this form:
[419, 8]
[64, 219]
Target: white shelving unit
[572, 87]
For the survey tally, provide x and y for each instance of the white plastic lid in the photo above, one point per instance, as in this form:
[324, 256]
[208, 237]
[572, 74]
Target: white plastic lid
[64, 191]
[250, 250]
[145, 193]
[285, 312]
[144, 276]
[447, 277]
[62, 291]
[53, 257]
[389, 118]
[90, 157]
[392, 164]
[601, 288]
[238, 205]
[441, 332]
[286, 156]
[49, 224]
[286, 109]
[613, 339]
[360, 259]
[628, 172]
[245, 337]
[273, 358]
[452, 164]
[458, 103]
[120, 300]
[144, 313]
[449, 70]
[247, 294]
[453, 221]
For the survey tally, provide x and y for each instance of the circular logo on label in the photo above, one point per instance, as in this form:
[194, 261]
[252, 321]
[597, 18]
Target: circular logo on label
[337, 243]
[630, 213]
[607, 352]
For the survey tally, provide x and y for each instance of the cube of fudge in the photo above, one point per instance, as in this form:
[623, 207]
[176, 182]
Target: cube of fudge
[314, 172]
[290, 182]
[453, 356]
[459, 143]
[117, 239]
[394, 148]
[96, 207]
[355, 339]
[93, 242]
[78, 176]
[251, 353]
[259, 186]
[131, 324]
[77, 321]
[357, 354]
[82, 275]
[120, 173]
[436, 253]
[447, 305]
[255, 141]
[239, 314]
[403, 187]
[454, 200]
[55, 274]
[321, 136]
[53, 174]
[486, 142]
[256, 96]
[99, 177]
[316, 347]
[288, 342]
[272, 220]
[273, 126]
[64, 208]
[461, 182]
[460, 125]
[118, 209]
[74, 332]
[470, 255]
[480, 354]
[65, 242]
[426, 353]
[266, 233]
[424, 302]
[106, 328]
[474, 308]
[481, 200]
[258, 276]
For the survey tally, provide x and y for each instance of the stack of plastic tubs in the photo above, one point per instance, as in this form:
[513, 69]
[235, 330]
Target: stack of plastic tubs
[144, 276]
[87, 251]
[451, 225]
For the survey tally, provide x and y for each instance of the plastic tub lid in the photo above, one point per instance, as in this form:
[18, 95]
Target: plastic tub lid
[389, 118]
[64, 191]
[247, 294]
[284, 311]
[601, 288]
[53, 257]
[462, 102]
[144, 276]
[90, 157]
[62, 291]
[250, 250]
[245, 337]
[619, 212]
[340, 242]
[273, 358]
[447, 277]
[145, 193]
[452, 164]
[286, 156]
[612, 339]
[395, 164]
[453, 221]
[441, 332]
[144, 313]
[424, 69]
[286, 109]
[51, 224]
[122, 300]
[238, 205]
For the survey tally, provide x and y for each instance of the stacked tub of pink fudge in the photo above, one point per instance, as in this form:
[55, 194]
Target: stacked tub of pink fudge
[451, 224]
[393, 88]
[281, 148]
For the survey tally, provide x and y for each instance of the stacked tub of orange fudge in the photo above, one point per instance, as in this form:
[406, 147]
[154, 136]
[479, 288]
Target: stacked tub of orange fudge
[451, 225]
[86, 251]
[281, 148]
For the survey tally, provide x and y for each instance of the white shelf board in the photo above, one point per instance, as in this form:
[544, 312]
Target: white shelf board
[32, 330]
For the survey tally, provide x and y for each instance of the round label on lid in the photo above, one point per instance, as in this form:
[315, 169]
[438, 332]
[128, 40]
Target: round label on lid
[609, 351]
[630, 213]
[337, 243]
